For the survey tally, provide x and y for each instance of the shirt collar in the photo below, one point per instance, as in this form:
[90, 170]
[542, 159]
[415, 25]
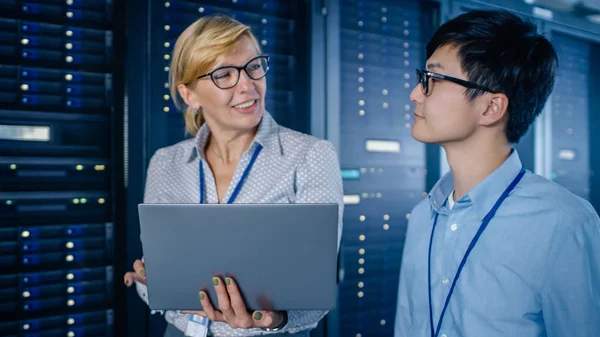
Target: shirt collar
[484, 195]
[267, 136]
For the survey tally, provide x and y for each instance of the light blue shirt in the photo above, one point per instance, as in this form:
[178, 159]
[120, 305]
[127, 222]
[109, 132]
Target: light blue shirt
[535, 270]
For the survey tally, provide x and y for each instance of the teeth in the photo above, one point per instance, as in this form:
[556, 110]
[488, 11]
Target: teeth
[244, 105]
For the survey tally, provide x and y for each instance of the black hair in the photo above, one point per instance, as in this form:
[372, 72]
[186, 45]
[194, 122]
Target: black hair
[503, 52]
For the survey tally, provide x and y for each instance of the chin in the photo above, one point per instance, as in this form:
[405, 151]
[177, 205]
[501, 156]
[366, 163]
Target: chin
[248, 121]
[421, 135]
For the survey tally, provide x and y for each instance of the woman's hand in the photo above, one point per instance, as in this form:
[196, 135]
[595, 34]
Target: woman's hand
[233, 309]
[139, 274]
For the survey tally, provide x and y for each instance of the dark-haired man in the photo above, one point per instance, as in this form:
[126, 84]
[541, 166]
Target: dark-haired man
[494, 250]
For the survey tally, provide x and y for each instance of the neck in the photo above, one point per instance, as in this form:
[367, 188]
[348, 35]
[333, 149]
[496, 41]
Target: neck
[229, 146]
[472, 162]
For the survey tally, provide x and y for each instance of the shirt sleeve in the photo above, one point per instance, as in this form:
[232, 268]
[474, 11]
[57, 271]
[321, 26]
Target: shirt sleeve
[151, 196]
[151, 193]
[571, 290]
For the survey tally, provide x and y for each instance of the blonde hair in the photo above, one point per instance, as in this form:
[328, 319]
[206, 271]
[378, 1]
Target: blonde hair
[197, 51]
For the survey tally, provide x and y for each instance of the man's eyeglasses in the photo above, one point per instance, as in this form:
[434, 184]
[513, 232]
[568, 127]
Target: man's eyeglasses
[423, 77]
[228, 76]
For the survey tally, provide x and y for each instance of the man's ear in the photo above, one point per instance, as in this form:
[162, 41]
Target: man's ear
[496, 110]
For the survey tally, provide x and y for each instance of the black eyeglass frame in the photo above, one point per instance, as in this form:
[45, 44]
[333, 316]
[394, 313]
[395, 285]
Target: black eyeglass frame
[424, 75]
[239, 70]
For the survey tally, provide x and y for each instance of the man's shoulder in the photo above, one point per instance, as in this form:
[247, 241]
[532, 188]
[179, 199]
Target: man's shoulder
[545, 196]
[421, 212]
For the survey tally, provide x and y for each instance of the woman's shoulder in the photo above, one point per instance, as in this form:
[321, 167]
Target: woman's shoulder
[295, 141]
[179, 151]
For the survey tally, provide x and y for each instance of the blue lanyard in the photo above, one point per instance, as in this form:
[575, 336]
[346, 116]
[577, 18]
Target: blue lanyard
[238, 188]
[484, 223]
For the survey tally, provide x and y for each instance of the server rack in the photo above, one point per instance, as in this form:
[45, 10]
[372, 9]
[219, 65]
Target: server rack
[571, 109]
[379, 45]
[59, 167]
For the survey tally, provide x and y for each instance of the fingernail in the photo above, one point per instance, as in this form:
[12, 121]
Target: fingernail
[201, 296]
[127, 283]
[257, 316]
[228, 281]
[215, 281]
[143, 272]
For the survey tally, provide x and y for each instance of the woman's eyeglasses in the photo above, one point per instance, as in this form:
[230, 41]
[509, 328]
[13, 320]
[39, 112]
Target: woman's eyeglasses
[228, 76]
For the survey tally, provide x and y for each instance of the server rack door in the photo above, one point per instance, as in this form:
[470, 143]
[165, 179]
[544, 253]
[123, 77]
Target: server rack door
[571, 108]
[57, 168]
[381, 43]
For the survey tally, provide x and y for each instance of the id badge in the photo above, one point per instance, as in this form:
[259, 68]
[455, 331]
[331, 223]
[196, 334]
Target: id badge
[197, 326]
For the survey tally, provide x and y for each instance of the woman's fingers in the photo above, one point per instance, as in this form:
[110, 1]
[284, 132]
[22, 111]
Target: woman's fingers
[209, 310]
[139, 268]
[130, 277]
[235, 298]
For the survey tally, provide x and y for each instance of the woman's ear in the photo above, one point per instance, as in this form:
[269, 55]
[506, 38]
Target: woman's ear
[188, 95]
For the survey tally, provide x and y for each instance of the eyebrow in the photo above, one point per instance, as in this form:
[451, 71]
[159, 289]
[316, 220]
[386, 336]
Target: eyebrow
[431, 66]
[234, 65]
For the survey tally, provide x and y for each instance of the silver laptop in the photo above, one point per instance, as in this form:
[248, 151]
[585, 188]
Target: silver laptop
[283, 256]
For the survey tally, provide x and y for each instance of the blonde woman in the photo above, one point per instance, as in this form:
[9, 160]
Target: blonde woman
[239, 154]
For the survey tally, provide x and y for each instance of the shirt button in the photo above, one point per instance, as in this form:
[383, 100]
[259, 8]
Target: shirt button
[454, 227]
[446, 281]
[443, 335]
